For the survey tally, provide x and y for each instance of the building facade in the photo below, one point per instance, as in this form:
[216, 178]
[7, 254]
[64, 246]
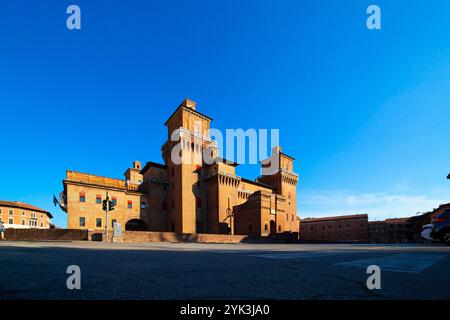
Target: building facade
[390, 231]
[19, 215]
[338, 228]
[194, 191]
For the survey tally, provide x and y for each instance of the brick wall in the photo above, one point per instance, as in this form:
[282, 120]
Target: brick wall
[148, 236]
[341, 228]
[45, 234]
[132, 236]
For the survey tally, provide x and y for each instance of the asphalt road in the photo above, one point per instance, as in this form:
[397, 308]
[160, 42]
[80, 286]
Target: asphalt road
[37, 270]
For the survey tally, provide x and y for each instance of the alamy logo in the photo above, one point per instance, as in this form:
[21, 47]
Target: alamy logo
[189, 147]
[74, 280]
[73, 21]
[374, 281]
[374, 20]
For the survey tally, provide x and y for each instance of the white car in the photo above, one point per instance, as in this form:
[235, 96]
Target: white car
[426, 230]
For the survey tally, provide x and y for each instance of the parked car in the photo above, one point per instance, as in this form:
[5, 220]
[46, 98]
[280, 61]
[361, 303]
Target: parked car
[426, 230]
[440, 227]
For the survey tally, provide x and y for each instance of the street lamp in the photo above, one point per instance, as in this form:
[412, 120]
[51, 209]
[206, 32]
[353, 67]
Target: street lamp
[230, 216]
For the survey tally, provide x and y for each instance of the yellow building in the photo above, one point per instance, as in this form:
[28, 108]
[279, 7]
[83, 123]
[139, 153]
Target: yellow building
[194, 196]
[19, 215]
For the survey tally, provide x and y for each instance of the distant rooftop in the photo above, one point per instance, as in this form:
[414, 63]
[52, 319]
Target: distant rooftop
[353, 216]
[151, 164]
[21, 205]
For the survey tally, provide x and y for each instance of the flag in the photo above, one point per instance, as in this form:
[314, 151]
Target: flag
[55, 201]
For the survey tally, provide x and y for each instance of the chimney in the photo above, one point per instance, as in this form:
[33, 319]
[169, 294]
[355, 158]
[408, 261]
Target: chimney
[188, 103]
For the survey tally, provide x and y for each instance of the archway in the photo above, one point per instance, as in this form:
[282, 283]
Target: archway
[273, 228]
[135, 225]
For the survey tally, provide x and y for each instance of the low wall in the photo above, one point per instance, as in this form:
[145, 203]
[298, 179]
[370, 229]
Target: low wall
[148, 236]
[45, 234]
[154, 236]
[131, 236]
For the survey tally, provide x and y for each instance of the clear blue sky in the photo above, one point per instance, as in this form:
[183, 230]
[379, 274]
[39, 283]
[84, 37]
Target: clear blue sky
[365, 113]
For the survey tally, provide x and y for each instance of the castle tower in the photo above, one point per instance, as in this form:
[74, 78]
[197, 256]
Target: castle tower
[188, 136]
[278, 172]
[133, 177]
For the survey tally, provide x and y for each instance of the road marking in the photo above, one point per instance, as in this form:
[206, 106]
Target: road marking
[402, 262]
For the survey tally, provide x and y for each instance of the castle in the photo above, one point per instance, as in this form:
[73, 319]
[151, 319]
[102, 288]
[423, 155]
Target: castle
[191, 196]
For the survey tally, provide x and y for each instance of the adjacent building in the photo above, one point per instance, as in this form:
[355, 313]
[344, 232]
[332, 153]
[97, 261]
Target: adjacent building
[338, 228]
[19, 215]
[390, 231]
[194, 195]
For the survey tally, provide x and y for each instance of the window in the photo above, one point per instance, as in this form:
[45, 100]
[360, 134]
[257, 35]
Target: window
[143, 205]
[11, 221]
[42, 216]
[98, 222]
[292, 218]
[98, 199]
[196, 129]
[199, 202]
[265, 227]
[10, 212]
[82, 221]
[23, 213]
[279, 228]
[42, 224]
[130, 204]
[23, 222]
[33, 215]
[82, 197]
